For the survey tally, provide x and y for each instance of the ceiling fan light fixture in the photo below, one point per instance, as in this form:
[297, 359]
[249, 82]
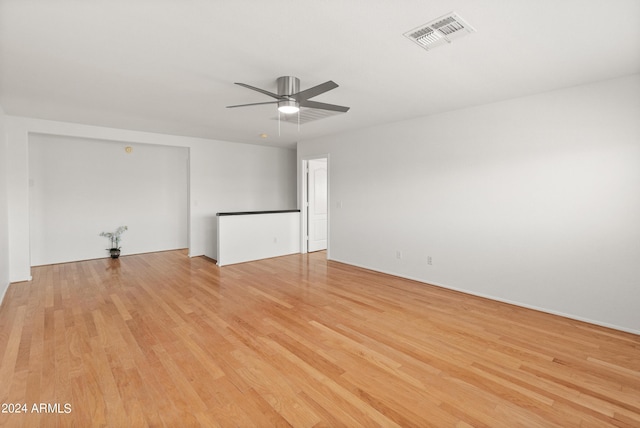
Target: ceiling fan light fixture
[288, 107]
[290, 98]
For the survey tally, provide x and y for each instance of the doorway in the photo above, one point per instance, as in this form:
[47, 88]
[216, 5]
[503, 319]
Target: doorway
[315, 206]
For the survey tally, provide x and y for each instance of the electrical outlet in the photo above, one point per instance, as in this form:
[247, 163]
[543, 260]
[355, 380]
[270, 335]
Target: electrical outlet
[429, 260]
[398, 254]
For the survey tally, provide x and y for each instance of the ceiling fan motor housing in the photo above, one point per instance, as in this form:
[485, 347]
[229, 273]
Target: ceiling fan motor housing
[288, 85]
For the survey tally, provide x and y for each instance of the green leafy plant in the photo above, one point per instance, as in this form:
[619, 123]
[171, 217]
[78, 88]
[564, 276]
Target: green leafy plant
[114, 237]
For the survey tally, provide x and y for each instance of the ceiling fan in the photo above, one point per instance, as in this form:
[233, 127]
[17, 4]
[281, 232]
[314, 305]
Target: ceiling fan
[290, 98]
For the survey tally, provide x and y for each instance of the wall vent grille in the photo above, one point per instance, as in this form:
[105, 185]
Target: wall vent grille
[440, 31]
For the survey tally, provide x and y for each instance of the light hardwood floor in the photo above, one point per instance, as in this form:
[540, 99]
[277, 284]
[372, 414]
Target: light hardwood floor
[164, 340]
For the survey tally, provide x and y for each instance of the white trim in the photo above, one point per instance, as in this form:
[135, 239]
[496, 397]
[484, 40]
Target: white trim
[496, 299]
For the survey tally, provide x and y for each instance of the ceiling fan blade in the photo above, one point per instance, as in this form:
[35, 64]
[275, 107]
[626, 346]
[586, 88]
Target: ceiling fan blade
[323, 106]
[253, 104]
[271, 94]
[315, 91]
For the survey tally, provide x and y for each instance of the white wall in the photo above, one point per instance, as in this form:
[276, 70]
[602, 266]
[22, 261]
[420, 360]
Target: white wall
[223, 176]
[80, 187]
[229, 177]
[243, 238]
[4, 220]
[532, 201]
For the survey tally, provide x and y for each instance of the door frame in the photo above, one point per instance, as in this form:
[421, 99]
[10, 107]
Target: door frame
[304, 210]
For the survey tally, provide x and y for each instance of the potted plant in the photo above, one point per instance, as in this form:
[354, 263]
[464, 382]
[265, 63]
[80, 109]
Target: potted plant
[114, 238]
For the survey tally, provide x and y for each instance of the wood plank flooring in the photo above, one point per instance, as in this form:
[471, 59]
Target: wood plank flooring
[164, 340]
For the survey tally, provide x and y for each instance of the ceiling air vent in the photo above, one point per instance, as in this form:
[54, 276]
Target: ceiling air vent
[440, 31]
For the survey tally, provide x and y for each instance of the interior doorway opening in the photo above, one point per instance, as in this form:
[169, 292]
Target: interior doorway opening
[315, 205]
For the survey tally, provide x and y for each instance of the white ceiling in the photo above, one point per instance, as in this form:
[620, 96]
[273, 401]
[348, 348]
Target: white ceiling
[169, 66]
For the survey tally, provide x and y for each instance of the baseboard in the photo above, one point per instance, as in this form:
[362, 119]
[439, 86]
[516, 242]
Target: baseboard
[4, 292]
[498, 299]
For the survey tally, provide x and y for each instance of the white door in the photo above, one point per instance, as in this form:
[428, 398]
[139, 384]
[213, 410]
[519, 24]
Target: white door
[317, 209]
